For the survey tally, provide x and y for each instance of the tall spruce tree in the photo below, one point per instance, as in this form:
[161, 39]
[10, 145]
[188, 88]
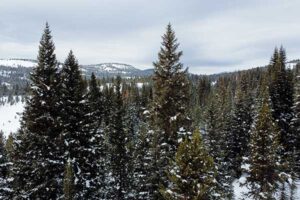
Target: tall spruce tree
[95, 101]
[215, 139]
[264, 159]
[192, 174]
[38, 171]
[118, 152]
[240, 127]
[170, 106]
[281, 95]
[203, 89]
[78, 139]
[295, 124]
[95, 116]
[142, 163]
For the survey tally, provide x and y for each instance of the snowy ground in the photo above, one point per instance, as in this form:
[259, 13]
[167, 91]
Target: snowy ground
[239, 191]
[10, 116]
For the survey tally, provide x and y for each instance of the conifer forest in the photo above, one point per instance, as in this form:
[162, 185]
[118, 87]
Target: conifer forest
[170, 135]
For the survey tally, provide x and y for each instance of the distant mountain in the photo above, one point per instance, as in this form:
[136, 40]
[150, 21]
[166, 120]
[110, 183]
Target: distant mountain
[113, 69]
[102, 69]
[15, 63]
[16, 71]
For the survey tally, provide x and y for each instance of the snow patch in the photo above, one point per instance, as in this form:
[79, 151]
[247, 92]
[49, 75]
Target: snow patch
[17, 63]
[10, 117]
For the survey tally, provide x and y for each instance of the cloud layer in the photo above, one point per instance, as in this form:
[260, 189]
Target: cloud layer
[215, 35]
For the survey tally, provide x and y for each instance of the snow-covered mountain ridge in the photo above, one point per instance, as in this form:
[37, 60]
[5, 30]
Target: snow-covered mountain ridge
[15, 62]
[102, 69]
[112, 67]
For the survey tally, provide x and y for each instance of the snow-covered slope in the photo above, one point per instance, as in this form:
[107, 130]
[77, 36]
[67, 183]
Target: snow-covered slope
[110, 69]
[240, 191]
[17, 63]
[102, 69]
[10, 116]
[292, 64]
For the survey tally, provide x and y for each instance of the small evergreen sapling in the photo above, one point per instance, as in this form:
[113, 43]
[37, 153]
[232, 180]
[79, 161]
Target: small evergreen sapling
[192, 174]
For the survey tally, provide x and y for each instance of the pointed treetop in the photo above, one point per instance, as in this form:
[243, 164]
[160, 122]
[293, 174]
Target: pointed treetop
[275, 56]
[169, 56]
[72, 60]
[46, 56]
[47, 32]
[47, 25]
[282, 54]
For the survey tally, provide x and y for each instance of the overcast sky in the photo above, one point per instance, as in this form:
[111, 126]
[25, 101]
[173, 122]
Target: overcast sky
[215, 35]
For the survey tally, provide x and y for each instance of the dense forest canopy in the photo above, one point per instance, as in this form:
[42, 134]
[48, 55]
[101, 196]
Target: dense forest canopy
[171, 135]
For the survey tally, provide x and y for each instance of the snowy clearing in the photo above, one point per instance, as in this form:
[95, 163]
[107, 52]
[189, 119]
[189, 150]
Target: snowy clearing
[10, 117]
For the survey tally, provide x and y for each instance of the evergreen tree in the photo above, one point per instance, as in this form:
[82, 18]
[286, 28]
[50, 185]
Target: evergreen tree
[171, 89]
[38, 171]
[78, 139]
[5, 187]
[264, 144]
[10, 146]
[95, 104]
[295, 125]
[69, 189]
[108, 96]
[281, 95]
[192, 174]
[215, 139]
[145, 96]
[142, 164]
[118, 152]
[240, 127]
[169, 108]
[204, 88]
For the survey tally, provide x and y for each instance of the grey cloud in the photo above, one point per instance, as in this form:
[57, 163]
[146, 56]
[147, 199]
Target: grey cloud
[215, 35]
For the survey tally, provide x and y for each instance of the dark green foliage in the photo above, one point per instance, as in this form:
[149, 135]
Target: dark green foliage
[95, 103]
[204, 88]
[78, 139]
[142, 164]
[170, 106]
[5, 182]
[295, 125]
[171, 89]
[264, 168]
[38, 169]
[108, 93]
[217, 130]
[118, 152]
[95, 117]
[281, 94]
[192, 174]
[239, 137]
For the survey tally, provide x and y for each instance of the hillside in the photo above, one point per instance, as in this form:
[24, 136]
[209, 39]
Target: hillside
[102, 69]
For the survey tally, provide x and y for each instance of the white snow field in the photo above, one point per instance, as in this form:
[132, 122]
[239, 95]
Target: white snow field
[10, 116]
[17, 63]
